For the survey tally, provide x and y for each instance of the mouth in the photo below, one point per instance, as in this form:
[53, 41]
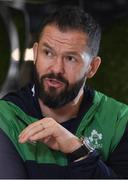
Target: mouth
[54, 83]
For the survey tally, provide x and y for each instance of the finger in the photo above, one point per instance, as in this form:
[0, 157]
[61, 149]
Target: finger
[51, 142]
[46, 122]
[30, 131]
[41, 135]
[29, 127]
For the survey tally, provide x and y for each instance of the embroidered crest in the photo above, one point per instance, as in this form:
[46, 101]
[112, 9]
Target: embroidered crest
[95, 139]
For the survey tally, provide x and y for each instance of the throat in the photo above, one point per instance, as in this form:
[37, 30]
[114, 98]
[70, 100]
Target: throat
[60, 118]
[62, 114]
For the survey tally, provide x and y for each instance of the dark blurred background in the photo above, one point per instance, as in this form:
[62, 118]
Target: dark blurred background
[19, 22]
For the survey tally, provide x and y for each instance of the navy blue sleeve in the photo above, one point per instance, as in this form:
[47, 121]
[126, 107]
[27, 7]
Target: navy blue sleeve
[11, 165]
[91, 167]
[118, 159]
[115, 167]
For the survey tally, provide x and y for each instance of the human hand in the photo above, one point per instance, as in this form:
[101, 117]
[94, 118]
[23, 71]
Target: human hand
[48, 131]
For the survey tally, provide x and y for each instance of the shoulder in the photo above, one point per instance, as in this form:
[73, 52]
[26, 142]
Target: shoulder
[109, 103]
[19, 97]
[25, 99]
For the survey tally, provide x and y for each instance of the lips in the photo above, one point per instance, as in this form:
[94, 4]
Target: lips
[54, 83]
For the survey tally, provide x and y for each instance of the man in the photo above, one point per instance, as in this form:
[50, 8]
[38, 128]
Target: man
[57, 127]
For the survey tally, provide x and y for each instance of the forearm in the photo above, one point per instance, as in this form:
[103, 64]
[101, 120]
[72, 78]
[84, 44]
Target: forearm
[91, 167]
[11, 165]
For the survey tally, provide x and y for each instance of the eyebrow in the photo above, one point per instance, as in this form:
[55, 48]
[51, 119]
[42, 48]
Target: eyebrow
[68, 52]
[47, 45]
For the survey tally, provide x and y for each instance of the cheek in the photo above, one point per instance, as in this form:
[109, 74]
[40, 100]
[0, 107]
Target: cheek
[84, 70]
[74, 75]
[41, 67]
[83, 73]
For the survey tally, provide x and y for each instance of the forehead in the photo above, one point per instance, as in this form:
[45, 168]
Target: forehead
[70, 38]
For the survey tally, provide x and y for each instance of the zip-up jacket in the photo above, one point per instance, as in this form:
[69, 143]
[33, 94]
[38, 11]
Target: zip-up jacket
[101, 119]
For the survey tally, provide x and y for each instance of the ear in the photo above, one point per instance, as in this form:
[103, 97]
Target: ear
[93, 67]
[35, 48]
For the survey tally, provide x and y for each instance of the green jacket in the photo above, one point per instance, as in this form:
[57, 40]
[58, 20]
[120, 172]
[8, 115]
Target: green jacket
[103, 125]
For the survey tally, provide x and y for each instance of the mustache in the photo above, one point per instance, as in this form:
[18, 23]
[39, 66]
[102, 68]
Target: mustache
[55, 76]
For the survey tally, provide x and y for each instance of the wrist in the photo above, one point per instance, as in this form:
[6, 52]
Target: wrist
[81, 152]
[74, 145]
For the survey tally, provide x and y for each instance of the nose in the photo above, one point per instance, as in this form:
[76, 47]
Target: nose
[58, 66]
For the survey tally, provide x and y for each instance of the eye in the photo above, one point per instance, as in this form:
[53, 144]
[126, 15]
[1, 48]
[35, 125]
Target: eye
[48, 53]
[71, 58]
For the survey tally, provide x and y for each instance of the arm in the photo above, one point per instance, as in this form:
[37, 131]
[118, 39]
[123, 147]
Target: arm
[57, 137]
[11, 165]
[118, 159]
[93, 167]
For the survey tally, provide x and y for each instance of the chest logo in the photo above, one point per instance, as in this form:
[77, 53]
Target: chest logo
[95, 139]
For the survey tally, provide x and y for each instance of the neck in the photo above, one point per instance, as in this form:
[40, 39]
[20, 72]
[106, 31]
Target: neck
[64, 113]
